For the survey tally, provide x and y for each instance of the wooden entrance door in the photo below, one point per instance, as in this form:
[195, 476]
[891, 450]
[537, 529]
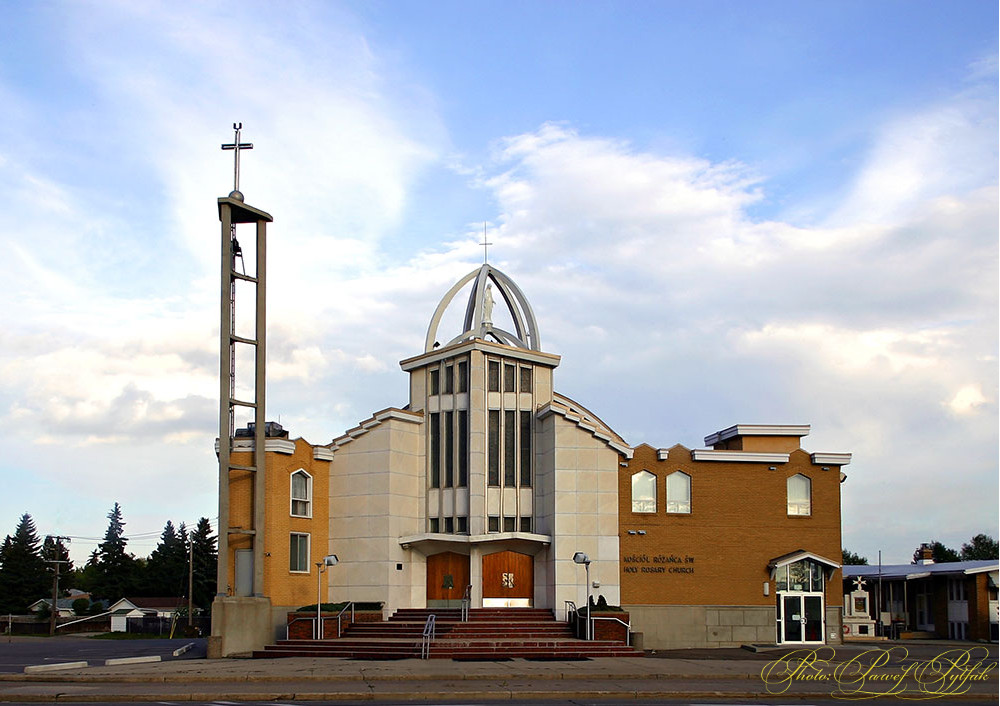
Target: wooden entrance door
[447, 577]
[508, 579]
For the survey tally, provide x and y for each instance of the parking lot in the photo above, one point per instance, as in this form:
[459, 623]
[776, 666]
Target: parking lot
[16, 653]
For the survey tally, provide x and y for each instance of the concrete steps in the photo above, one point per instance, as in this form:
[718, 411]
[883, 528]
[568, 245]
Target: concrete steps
[489, 634]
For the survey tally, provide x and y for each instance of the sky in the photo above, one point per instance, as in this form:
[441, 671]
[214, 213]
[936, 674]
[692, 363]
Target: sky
[721, 212]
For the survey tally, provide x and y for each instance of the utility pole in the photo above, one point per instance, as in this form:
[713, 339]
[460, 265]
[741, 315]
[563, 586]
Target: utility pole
[190, 580]
[56, 543]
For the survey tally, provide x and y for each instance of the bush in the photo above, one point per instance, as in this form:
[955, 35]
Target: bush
[337, 607]
[81, 606]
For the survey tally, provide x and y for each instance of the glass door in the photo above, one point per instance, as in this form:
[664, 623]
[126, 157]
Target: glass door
[800, 618]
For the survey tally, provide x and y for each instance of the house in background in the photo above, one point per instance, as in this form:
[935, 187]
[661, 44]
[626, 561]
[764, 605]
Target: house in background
[954, 600]
[127, 608]
[65, 606]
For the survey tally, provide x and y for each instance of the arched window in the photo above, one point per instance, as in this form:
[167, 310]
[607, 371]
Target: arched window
[643, 492]
[301, 494]
[679, 493]
[799, 495]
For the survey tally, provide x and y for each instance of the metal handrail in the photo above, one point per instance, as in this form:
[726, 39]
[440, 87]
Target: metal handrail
[350, 605]
[628, 626]
[311, 619]
[430, 630]
[466, 602]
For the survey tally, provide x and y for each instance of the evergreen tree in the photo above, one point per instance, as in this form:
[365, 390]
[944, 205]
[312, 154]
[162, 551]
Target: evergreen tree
[116, 568]
[982, 546]
[205, 559]
[166, 570]
[23, 578]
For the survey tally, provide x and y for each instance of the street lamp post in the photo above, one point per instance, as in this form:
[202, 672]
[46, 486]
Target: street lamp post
[581, 558]
[329, 560]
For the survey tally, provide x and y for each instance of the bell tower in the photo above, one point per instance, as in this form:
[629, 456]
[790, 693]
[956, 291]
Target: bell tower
[241, 611]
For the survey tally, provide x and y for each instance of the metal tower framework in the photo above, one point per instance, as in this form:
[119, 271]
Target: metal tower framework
[233, 211]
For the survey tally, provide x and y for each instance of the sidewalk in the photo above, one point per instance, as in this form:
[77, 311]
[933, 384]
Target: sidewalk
[426, 680]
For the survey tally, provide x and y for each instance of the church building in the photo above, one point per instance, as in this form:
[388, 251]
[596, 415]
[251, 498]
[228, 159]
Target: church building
[487, 482]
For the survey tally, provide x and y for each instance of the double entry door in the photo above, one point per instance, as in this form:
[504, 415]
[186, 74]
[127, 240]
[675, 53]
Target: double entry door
[800, 617]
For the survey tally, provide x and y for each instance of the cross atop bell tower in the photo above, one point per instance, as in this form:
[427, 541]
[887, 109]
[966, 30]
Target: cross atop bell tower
[236, 146]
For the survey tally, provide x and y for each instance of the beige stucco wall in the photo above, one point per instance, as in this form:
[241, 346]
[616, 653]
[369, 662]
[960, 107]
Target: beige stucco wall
[578, 506]
[376, 496]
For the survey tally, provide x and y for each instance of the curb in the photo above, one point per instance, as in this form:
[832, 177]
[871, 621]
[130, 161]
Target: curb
[181, 650]
[36, 668]
[131, 660]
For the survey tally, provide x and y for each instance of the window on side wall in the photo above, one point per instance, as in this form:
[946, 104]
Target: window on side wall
[298, 553]
[679, 493]
[643, 492]
[799, 495]
[301, 493]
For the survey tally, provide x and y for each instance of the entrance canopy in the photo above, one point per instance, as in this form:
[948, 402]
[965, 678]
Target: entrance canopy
[429, 543]
[776, 563]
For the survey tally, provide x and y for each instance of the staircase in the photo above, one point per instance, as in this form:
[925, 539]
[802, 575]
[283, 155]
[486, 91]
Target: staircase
[489, 634]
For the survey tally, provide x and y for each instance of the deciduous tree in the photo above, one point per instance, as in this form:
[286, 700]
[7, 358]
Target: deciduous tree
[982, 546]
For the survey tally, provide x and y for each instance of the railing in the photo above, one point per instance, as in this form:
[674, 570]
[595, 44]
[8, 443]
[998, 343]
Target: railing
[628, 627]
[340, 615]
[430, 630]
[466, 602]
[295, 620]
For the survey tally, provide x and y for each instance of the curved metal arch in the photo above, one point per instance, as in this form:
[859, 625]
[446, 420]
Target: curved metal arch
[526, 329]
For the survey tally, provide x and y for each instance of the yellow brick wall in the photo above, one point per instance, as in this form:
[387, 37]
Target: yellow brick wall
[738, 523]
[282, 586]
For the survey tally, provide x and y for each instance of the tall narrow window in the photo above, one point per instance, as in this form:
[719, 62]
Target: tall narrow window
[449, 379]
[463, 448]
[463, 376]
[799, 495]
[493, 523]
[435, 443]
[525, 434]
[298, 552]
[449, 525]
[509, 450]
[493, 432]
[643, 492]
[434, 525]
[525, 379]
[525, 524]
[679, 493]
[508, 378]
[462, 525]
[301, 494]
[493, 376]
[509, 524]
[449, 449]
[435, 381]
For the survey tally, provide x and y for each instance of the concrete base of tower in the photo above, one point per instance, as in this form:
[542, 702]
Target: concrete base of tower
[239, 625]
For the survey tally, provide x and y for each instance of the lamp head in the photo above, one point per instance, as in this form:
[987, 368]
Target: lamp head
[581, 558]
[331, 560]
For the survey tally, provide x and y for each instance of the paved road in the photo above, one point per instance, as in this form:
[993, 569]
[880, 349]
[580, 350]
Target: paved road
[18, 652]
